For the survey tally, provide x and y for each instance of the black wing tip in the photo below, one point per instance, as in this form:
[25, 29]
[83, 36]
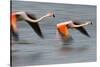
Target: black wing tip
[88, 36]
[35, 26]
[41, 36]
[82, 30]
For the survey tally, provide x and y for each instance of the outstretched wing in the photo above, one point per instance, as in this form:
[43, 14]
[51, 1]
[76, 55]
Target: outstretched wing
[82, 30]
[35, 26]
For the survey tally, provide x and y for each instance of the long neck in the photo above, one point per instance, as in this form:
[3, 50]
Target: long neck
[38, 20]
[26, 17]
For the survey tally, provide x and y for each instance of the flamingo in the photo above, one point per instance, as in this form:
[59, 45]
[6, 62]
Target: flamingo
[63, 28]
[30, 19]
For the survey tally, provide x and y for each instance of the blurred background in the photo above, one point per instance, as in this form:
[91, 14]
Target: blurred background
[37, 51]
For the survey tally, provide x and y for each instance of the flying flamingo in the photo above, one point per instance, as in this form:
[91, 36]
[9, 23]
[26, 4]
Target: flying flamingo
[63, 28]
[30, 19]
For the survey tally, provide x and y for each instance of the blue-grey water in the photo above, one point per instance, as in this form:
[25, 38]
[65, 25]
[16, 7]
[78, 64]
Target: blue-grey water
[37, 51]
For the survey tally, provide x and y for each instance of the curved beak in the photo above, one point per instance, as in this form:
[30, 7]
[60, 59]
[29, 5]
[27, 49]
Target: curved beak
[91, 23]
[53, 15]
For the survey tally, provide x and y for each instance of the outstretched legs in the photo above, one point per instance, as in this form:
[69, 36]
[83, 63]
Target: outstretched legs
[14, 34]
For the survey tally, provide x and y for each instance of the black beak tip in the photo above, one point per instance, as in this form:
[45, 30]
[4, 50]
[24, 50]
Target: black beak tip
[53, 15]
[91, 23]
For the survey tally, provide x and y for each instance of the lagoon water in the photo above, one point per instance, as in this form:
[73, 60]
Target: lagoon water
[50, 50]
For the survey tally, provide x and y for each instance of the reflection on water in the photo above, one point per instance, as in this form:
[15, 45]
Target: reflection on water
[62, 54]
[26, 60]
[32, 50]
[67, 41]
[65, 49]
